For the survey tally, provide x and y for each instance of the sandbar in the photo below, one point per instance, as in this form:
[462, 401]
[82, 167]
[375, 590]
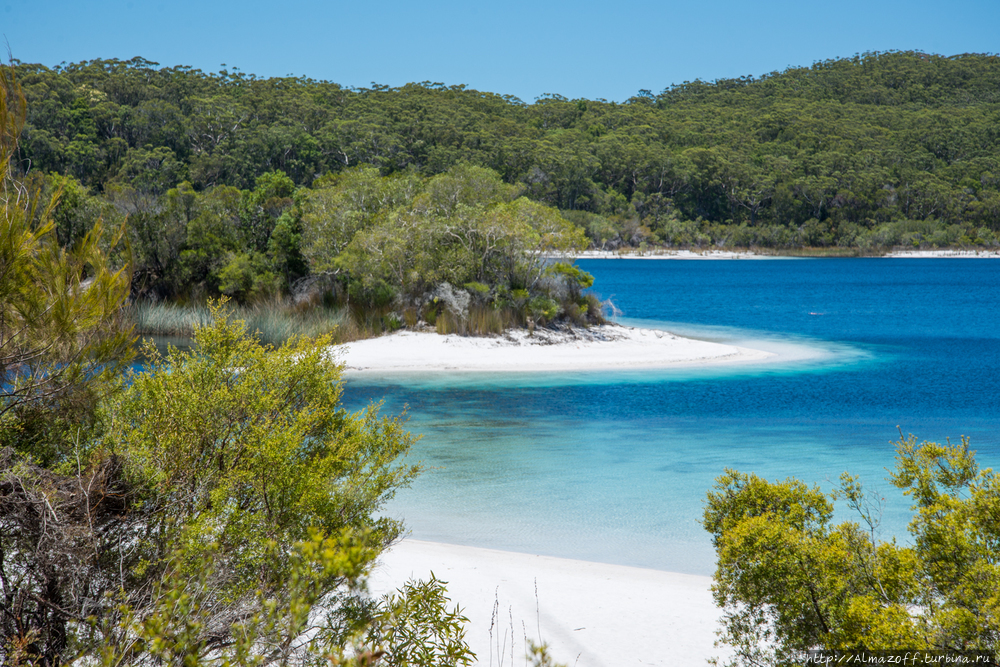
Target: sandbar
[603, 347]
[590, 614]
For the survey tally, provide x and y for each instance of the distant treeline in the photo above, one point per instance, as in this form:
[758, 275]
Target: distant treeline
[869, 152]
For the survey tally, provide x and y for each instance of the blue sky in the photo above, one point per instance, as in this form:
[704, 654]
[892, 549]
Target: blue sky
[520, 47]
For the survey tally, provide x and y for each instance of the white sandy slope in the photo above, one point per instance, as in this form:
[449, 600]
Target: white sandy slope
[590, 614]
[603, 347]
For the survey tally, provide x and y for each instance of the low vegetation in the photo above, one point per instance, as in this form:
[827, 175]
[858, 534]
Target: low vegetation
[271, 323]
[790, 582]
[221, 509]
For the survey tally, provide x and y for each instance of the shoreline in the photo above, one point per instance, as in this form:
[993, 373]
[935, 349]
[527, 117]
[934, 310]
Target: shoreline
[604, 347]
[677, 254]
[943, 254]
[590, 614]
[666, 254]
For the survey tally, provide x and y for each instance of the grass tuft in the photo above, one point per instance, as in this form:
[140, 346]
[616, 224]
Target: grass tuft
[274, 323]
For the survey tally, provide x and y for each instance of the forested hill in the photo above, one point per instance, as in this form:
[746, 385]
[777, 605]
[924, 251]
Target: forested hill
[868, 152]
[888, 79]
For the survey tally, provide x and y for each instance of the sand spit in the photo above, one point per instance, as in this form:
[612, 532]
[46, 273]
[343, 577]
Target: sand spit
[604, 347]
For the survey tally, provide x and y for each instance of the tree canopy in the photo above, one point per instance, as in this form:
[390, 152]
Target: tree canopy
[871, 151]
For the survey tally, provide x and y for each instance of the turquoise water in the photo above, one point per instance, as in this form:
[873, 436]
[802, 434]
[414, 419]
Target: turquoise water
[614, 467]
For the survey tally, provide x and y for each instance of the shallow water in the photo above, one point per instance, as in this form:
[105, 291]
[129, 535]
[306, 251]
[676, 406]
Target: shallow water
[614, 467]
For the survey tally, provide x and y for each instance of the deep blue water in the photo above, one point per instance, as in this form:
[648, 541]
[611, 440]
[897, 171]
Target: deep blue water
[614, 467]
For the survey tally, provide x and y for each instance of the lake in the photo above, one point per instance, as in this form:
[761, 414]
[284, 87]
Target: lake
[614, 466]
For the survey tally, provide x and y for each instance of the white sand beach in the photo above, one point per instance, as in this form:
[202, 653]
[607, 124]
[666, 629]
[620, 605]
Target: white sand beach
[944, 254]
[596, 348]
[663, 253]
[590, 614]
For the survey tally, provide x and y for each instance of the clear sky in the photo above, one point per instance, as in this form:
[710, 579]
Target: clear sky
[525, 48]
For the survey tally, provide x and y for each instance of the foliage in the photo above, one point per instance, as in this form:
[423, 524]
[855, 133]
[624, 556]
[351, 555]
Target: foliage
[261, 207]
[246, 277]
[62, 335]
[379, 244]
[281, 457]
[402, 241]
[419, 631]
[233, 454]
[540, 656]
[337, 208]
[462, 228]
[229, 184]
[62, 339]
[572, 274]
[789, 581]
[827, 154]
[412, 627]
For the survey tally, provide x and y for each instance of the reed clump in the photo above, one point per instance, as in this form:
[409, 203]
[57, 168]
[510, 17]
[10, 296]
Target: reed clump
[480, 321]
[273, 323]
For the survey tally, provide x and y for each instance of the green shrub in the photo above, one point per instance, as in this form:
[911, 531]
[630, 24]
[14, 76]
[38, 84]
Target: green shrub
[543, 309]
[789, 581]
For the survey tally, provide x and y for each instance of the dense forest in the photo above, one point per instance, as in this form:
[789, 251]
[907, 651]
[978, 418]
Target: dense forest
[222, 176]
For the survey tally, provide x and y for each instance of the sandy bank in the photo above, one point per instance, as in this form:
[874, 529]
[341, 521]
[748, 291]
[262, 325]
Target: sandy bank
[730, 254]
[945, 254]
[590, 614]
[674, 254]
[604, 347]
